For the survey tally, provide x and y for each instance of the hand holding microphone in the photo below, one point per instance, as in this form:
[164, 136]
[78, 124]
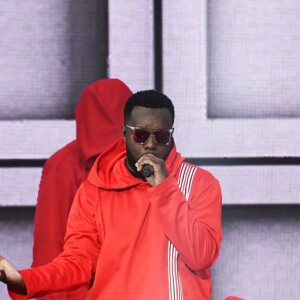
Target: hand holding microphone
[152, 168]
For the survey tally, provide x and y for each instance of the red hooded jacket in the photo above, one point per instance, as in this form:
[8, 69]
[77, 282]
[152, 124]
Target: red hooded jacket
[135, 241]
[99, 116]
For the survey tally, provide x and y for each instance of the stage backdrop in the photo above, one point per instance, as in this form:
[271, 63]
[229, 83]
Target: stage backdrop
[232, 70]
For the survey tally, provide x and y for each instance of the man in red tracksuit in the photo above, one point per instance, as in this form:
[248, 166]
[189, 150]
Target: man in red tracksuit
[145, 225]
[98, 115]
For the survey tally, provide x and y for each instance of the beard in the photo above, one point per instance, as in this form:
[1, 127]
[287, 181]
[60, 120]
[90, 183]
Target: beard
[131, 160]
[130, 163]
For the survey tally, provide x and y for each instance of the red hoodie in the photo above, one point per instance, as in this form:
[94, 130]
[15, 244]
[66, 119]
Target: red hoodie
[135, 241]
[99, 116]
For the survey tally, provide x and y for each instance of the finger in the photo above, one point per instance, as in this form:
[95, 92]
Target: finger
[145, 161]
[148, 158]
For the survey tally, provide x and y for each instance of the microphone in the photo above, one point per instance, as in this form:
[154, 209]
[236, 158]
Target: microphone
[147, 171]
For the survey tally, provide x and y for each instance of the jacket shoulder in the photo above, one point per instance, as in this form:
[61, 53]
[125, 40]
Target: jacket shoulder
[195, 173]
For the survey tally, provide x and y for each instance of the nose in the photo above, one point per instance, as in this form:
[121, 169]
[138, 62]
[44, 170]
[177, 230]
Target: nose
[150, 144]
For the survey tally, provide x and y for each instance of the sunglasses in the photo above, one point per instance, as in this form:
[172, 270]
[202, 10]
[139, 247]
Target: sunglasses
[161, 137]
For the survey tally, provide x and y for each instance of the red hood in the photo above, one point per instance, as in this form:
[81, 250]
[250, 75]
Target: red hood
[109, 170]
[99, 116]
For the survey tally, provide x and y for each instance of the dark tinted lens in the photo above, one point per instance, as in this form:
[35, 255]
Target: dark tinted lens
[162, 137]
[141, 135]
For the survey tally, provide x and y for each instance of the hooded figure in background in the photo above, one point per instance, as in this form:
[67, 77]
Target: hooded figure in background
[99, 116]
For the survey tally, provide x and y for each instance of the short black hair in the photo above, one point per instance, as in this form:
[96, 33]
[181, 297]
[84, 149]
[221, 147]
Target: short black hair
[149, 99]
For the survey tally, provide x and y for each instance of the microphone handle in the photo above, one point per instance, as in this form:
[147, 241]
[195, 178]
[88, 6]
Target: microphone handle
[147, 171]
